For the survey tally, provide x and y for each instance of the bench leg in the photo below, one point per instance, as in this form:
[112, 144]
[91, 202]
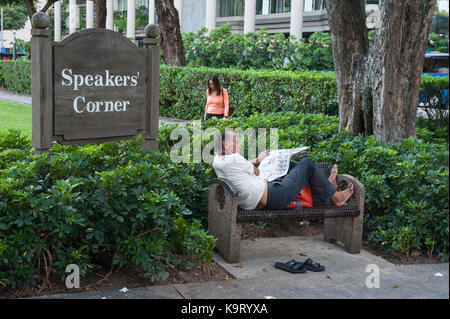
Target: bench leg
[222, 213]
[348, 230]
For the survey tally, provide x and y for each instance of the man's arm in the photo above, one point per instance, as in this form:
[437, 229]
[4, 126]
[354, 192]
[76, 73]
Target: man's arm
[258, 160]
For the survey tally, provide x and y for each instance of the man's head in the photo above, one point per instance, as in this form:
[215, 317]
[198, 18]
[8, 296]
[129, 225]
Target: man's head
[228, 143]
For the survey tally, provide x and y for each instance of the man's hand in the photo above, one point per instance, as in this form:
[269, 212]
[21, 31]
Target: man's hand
[262, 156]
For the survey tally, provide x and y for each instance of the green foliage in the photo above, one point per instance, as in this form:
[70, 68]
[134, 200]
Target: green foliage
[85, 204]
[406, 188]
[120, 18]
[16, 76]
[224, 49]
[437, 42]
[14, 16]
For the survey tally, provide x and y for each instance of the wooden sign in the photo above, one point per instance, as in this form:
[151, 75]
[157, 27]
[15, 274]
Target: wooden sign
[94, 86]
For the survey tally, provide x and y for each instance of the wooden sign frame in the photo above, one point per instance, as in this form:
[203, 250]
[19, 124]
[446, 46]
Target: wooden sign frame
[109, 93]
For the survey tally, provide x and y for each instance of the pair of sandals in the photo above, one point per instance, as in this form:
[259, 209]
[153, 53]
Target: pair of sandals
[296, 267]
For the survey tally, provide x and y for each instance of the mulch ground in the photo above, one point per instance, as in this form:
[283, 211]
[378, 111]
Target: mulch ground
[129, 277]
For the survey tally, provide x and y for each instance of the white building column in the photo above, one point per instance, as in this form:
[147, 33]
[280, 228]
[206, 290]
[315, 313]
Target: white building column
[151, 12]
[249, 16]
[72, 16]
[210, 21]
[109, 14]
[297, 18]
[89, 14]
[131, 18]
[265, 7]
[179, 7]
[57, 8]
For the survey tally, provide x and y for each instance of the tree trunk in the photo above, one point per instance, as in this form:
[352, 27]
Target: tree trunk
[378, 88]
[100, 13]
[171, 40]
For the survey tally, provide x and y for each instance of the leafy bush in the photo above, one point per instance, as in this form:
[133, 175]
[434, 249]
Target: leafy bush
[84, 204]
[16, 76]
[224, 49]
[406, 189]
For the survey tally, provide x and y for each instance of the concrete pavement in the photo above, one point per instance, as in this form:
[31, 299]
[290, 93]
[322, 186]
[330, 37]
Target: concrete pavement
[345, 276]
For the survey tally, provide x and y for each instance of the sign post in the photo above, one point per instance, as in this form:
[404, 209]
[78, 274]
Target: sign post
[94, 86]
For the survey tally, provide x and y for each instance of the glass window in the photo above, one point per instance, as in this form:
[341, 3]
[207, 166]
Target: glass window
[259, 5]
[372, 1]
[280, 6]
[231, 8]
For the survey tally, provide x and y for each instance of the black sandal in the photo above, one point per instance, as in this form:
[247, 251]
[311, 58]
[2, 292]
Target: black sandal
[292, 266]
[310, 265]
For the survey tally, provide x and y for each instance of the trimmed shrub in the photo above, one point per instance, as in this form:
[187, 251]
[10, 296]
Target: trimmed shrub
[434, 94]
[183, 91]
[16, 76]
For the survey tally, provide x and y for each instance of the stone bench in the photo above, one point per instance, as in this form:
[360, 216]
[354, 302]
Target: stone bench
[341, 224]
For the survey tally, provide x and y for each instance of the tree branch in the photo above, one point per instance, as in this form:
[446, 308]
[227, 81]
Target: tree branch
[48, 5]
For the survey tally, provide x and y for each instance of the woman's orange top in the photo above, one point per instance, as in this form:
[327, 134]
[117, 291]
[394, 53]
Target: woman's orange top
[217, 104]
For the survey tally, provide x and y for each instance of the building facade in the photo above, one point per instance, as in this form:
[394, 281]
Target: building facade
[291, 17]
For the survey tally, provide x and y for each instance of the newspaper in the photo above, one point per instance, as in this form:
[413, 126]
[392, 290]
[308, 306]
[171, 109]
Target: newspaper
[276, 164]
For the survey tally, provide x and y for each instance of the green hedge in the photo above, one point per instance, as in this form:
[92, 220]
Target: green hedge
[16, 76]
[182, 93]
[97, 206]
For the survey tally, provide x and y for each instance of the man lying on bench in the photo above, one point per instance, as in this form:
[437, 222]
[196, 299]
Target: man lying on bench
[254, 190]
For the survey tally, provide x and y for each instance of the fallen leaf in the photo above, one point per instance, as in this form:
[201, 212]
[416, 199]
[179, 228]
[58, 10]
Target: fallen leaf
[226, 277]
[395, 286]
[328, 276]
[330, 247]
[201, 280]
[86, 288]
[265, 270]
[239, 266]
[324, 258]
[302, 254]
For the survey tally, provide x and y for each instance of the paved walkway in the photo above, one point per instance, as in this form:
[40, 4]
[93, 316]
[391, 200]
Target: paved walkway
[344, 277]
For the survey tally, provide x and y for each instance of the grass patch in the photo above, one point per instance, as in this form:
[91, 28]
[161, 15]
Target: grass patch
[15, 116]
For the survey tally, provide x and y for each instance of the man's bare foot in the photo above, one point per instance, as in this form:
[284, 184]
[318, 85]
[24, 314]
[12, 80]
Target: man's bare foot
[333, 175]
[340, 198]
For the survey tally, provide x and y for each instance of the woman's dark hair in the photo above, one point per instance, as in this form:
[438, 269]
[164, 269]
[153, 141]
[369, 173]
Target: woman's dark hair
[216, 82]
